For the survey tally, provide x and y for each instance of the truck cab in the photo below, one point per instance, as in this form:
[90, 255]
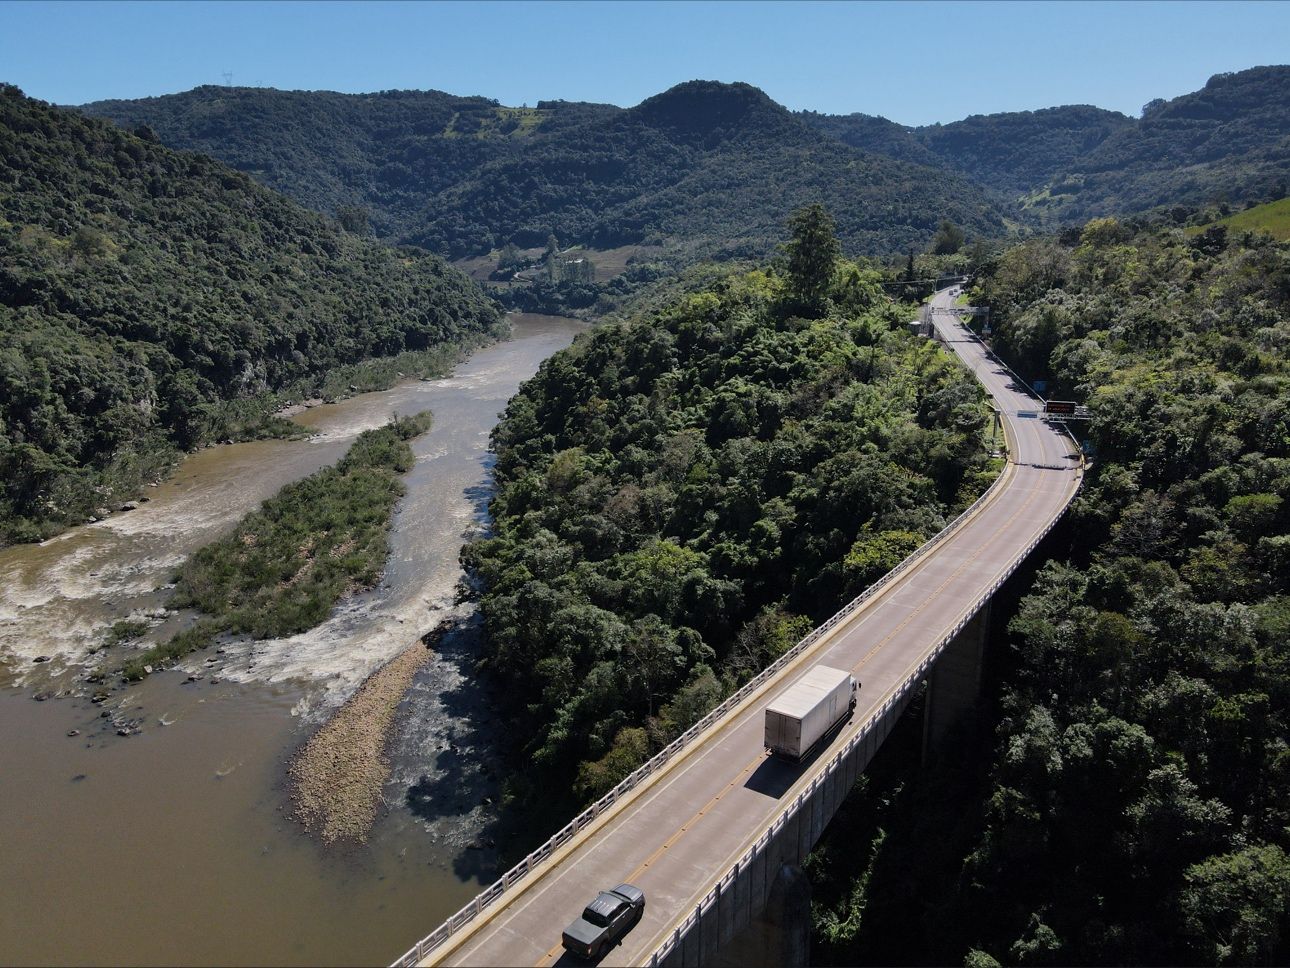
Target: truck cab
[604, 921]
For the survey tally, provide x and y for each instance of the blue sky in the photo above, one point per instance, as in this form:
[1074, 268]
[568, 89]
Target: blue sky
[916, 63]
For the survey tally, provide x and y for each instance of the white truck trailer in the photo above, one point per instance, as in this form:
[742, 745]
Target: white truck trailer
[802, 714]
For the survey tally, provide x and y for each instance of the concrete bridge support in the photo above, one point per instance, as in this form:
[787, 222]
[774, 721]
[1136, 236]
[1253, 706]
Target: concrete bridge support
[954, 685]
[781, 934]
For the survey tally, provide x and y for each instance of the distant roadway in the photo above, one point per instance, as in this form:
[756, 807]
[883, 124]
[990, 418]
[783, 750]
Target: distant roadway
[681, 831]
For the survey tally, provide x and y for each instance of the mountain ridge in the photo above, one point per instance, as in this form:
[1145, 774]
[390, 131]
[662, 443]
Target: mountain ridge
[464, 176]
[717, 166]
[1072, 162]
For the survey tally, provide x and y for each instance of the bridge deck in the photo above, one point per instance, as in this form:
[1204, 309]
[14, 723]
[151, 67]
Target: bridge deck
[679, 833]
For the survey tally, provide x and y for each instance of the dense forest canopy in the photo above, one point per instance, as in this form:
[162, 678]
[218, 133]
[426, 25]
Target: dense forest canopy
[463, 176]
[143, 290]
[1228, 141]
[386, 153]
[1135, 806]
[680, 499]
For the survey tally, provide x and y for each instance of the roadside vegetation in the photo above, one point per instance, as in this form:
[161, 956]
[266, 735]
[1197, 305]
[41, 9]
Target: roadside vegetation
[285, 566]
[680, 499]
[1125, 800]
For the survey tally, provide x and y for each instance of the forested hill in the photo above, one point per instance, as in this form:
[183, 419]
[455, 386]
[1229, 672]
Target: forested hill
[143, 291]
[1229, 140]
[681, 499]
[720, 164]
[717, 166]
[387, 152]
[1136, 804]
[1012, 153]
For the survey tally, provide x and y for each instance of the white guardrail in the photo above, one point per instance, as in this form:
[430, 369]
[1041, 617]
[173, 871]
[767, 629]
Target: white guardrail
[418, 952]
[892, 702]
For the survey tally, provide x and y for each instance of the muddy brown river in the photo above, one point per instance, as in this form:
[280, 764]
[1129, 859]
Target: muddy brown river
[173, 845]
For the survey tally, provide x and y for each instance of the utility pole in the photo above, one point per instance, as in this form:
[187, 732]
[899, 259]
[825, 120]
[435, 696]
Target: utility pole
[228, 78]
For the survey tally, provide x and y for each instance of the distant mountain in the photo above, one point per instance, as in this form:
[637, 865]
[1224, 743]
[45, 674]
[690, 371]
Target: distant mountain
[143, 291]
[875, 135]
[1228, 140]
[387, 152]
[720, 163]
[1011, 153]
[715, 165]
[718, 167]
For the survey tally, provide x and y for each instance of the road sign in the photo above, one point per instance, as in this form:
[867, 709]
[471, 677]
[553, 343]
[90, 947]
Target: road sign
[1060, 408]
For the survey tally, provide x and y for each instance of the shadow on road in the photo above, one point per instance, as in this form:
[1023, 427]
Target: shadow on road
[774, 777]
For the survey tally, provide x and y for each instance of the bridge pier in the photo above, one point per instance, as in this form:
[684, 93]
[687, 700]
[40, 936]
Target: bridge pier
[781, 934]
[954, 685]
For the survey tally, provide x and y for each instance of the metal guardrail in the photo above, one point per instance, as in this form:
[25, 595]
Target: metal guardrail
[467, 914]
[894, 702]
[418, 952]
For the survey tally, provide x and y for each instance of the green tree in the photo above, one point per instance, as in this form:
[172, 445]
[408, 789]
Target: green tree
[509, 257]
[1237, 906]
[948, 239]
[813, 252]
[598, 777]
[354, 219]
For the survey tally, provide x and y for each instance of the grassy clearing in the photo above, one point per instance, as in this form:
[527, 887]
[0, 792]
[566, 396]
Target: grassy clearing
[285, 566]
[1273, 218]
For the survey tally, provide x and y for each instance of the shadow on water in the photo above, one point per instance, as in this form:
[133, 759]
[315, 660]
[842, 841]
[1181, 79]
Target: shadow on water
[446, 759]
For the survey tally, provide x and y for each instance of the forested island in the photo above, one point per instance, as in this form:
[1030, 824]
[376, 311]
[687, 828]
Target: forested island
[285, 566]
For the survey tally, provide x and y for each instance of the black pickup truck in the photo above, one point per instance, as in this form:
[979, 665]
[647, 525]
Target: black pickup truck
[604, 921]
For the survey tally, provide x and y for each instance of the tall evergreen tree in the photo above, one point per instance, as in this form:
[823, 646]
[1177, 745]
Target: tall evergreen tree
[813, 251]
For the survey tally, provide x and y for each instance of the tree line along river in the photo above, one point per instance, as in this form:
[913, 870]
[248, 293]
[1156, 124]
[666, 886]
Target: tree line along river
[174, 844]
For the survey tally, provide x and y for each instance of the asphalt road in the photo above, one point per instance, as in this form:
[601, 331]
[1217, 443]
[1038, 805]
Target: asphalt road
[677, 835]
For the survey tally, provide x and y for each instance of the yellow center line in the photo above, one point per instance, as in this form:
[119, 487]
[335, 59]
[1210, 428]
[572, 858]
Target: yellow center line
[678, 834]
[941, 587]
[689, 824]
[752, 764]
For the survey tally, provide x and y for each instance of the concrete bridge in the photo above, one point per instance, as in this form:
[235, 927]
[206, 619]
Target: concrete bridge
[712, 828]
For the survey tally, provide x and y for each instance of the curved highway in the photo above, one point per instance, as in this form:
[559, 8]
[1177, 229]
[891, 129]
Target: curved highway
[680, 831]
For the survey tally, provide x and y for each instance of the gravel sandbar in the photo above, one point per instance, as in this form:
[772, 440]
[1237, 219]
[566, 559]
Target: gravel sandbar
[337, 776]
